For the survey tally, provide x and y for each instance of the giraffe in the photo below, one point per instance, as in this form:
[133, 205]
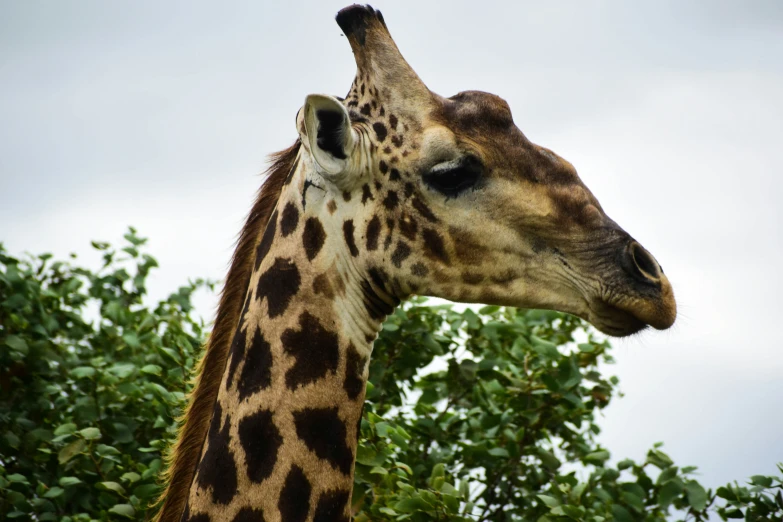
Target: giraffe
[389, 192]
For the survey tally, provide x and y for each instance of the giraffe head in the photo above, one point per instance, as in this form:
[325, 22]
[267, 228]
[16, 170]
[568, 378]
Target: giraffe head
[447, 197]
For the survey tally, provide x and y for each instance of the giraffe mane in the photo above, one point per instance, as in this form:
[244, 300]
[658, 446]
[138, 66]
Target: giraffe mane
[184, 454]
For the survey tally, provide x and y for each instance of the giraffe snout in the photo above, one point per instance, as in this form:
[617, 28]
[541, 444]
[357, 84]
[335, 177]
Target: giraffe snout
[654, 303]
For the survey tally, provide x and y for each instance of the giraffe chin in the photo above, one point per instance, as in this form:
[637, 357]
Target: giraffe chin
[624, 317]
[614, 321]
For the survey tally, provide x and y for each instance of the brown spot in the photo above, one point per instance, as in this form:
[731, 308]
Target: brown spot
[315, 349]
[266, 240]
[338, 283]
[248, 514]
[366, 193]
[294, 501]
[409, 189]
[218, 469]
[373, 232]
[354, 372]
[400, 254]
[383, 167]
[467, 249]
[424, 210]
[331, 206]
[366, 109]
[332, 505]
[397, 141]
[434, 247]
[346, 196]
[419, 269]
[394, 175]
[408, 227]
[313, 237]
[324, 433]
[387, 150]
[392, 121]
[380, 130]
[472, 278]
[321, 285]
[289, 219]
[390, 225]
[260, 439]
[504, 277]
[257, 371]
[349, 240]
[391, 200]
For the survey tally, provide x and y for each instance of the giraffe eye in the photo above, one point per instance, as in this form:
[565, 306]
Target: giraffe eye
[454, 177]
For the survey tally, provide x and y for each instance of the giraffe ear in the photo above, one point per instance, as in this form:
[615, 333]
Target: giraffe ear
[328, 131]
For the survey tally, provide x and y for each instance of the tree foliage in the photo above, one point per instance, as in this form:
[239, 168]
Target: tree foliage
[473, 415]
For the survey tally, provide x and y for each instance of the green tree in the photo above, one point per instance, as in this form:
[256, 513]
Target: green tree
[484, 415]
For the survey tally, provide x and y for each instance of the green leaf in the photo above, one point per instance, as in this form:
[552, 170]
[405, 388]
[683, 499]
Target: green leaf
[71, 450]
[131, 339]
[412, 505]
[65, 429]
[548, 459]
[666, 475]
[697, 497]
[621, 514]
[13, 439]
[111, 486]
[761, 480]
[131, 477]
[122, 370]
[658, 458]
[152, 369]
[669, 491]
[124, 510]
[17, 344]
[499, 452]
[146, 491]
[90, 433]
[82, 372]
[575, 512]
[598, 456]
[69, 481]
[17, 478]
[550, 502]
[54, 492]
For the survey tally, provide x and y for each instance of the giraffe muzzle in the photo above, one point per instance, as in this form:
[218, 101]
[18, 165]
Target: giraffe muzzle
[648, 295]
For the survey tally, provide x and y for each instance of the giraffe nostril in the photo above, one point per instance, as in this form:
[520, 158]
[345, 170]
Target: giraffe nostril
[643, 265]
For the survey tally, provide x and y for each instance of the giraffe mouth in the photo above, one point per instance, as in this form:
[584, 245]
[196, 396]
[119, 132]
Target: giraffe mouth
[633, 293]
[621, 313]
[614, 321]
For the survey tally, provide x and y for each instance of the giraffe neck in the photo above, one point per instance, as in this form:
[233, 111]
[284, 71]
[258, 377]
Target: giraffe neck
[283, 435]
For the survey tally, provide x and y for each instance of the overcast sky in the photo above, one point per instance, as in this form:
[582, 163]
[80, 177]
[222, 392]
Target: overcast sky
[160, 115]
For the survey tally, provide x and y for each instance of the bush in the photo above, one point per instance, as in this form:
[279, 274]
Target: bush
[484, 415]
